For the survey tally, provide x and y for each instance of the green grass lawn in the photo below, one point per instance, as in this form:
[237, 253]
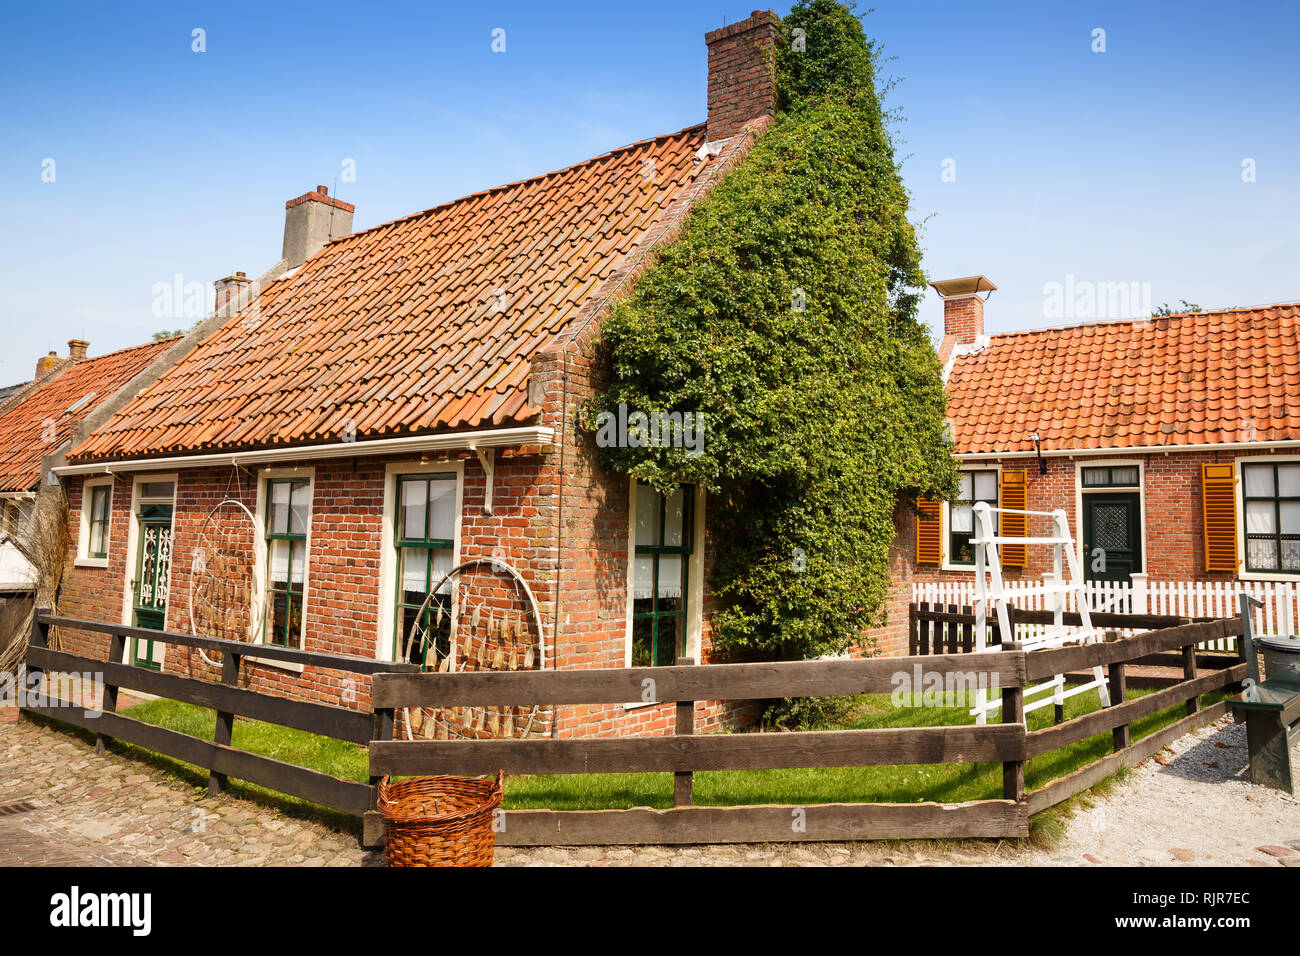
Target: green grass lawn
[945, 783]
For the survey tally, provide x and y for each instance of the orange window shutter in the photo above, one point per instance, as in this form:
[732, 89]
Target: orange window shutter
[1014, 494]
[1219, 509]
[929, 532]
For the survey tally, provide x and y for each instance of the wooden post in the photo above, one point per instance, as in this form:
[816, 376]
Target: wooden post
[372, 824]
[684, 724]
[1013, 712]
[1189, 673]
[116, 650]
[968, 630]
[1118, 689]
[225, 721]
[913, 630]
[40, 637]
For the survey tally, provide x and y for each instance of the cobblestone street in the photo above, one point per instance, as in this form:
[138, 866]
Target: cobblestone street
[63, 804]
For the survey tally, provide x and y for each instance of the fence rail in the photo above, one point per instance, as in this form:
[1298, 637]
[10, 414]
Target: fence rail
[217, 756]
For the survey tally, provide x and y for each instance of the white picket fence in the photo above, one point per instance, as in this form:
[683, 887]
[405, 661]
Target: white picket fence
[1177, 598]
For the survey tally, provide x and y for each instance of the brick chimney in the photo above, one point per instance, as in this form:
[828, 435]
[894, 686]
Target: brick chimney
[963, 308]
[46, 363]
[312, 220]
[742, 61]
[233, 293]
[77, 349]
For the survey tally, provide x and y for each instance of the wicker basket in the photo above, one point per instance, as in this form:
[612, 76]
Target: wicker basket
[440, 821]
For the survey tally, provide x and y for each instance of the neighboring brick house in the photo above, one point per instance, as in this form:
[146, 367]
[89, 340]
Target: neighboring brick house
[402, 401]
[1171, 443]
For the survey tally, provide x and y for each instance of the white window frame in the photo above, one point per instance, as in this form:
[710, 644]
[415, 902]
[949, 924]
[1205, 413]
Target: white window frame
[694, 583]
[385, 649]
[262, 573]
[84, 559]
[1080, 491]
[945, 521]
[1239, 477]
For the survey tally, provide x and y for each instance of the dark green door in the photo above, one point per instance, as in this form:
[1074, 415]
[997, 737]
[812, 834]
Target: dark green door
[152, 581]
[1112, 536]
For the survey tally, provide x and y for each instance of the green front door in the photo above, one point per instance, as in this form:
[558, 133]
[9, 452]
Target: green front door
[1112, 536]
[152, 581]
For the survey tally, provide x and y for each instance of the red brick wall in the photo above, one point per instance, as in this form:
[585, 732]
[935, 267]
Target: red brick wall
[963, 318]
[741, 82]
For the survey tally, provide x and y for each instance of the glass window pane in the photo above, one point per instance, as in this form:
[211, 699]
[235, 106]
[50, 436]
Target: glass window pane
[670, 578]
[156, 489]
[414, 575]
[668, 640]
[300, 507]
[963, 519]
[279, 523]
[643, 577]
[415, 498]
[279, 564]
[1259, 481]
[1262, 553]
[964, 486]
[647, 516]
[1094, 476]
[297, 564]
[986, 486]
[441, 566]
[1260, 517]
[675, 519]
[1290, 517]
[1124, 476]
[1291, 555]
[442, 499]
[642, 636]
[1288, 481]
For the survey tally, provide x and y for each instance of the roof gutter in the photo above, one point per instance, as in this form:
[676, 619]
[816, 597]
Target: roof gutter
[491, 438]
[1133, 450]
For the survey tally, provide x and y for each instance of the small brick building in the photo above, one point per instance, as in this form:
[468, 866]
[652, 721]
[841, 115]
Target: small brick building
[1171, 443]
[388, 405]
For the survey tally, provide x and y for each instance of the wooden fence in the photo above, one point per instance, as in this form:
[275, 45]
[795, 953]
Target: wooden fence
[217, 756]
[686, 752]
[394, 687]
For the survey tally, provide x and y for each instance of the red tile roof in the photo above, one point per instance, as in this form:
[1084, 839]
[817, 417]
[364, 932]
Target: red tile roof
[1194, 379]
[424, 324]
[37, 422]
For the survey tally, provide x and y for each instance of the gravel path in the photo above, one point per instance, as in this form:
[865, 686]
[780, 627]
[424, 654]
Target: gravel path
[63, 804]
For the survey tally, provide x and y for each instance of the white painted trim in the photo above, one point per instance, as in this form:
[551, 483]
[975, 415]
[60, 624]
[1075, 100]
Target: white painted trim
[945, 521]
[384, 644]
[491, 438]
[83, 559]
[1136, 450]
[630, 582]
[1080, 491]
[133, 557]
[1239, 506]
[262, 573]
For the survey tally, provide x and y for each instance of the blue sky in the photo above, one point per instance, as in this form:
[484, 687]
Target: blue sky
[1115, 166]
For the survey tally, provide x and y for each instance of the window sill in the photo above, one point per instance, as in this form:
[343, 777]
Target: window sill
[967, 568]
[1280, 577]
[90, 563]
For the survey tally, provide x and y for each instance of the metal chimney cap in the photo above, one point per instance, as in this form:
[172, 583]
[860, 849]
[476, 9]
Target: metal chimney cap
[967, 286]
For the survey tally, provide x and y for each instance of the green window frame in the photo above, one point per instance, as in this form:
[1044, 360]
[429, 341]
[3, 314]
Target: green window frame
[97, 540]
[663, 529]
[961, 514]
[1271, 512]
[288, 516]
[424, 532]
